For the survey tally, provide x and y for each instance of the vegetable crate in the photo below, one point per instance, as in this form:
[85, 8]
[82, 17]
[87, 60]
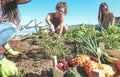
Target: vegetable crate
[114, 53]
[56, 71]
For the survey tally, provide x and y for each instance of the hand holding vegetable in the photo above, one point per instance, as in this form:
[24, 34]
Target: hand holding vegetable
[7, 68]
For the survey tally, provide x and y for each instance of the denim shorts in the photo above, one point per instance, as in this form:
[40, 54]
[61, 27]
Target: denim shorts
[7, 32]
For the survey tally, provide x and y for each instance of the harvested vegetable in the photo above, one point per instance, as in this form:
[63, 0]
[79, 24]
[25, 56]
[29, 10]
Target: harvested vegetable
[71, 62]
[118, 64]
[89, 66]
[109, 72]
[62, 65]
[79, 61]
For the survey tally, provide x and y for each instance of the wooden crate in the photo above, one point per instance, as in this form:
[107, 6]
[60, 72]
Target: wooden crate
[114, 53]
[97, 73]
[56, 72]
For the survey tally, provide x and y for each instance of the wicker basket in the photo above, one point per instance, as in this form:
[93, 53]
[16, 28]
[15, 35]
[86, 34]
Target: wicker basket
[23, 1]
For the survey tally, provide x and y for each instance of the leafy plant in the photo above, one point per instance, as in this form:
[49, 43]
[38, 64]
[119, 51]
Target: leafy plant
[91, 46]
[22, 72]
[109, 36]
[37, 64]
[50, 46]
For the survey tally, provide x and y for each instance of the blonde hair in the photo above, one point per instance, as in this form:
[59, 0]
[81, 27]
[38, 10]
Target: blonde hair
[62, 5]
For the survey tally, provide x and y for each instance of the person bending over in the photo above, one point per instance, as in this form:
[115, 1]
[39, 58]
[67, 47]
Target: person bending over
[56, 20]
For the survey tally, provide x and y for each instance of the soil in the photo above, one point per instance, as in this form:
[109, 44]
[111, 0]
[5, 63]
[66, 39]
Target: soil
[30, 62]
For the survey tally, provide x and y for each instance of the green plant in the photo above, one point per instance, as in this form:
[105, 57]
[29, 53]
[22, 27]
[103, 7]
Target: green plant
[50, 46]
[37, 64]
[91, 46]
[109, 36]
[22, 72]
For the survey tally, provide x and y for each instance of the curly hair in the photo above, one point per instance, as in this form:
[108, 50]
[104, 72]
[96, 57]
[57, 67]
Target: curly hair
[10, 10]
[62, 5]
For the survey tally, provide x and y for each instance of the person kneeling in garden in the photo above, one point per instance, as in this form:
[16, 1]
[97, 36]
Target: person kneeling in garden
[9, 21]
[56, 20]
[105, 18]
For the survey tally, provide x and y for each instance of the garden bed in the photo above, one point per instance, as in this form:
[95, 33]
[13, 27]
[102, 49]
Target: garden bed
[31, 63]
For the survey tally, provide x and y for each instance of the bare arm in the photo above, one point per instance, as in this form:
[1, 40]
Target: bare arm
[99, 23]
[51, 26]
[112, 19]
[61, 25]
[48, 20]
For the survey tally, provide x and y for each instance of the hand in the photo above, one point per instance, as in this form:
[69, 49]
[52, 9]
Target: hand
[7, 68]
[52, 28]
[58, 36]
[101, 28]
